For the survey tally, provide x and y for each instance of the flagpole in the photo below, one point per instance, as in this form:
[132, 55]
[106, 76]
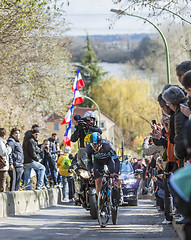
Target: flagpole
[99, 113]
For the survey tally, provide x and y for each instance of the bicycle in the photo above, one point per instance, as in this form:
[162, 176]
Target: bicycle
[108, 201]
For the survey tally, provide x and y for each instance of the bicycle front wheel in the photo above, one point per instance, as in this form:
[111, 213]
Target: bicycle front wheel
[103, 207]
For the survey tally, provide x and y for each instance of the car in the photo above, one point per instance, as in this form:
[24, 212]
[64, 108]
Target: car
[129, 184]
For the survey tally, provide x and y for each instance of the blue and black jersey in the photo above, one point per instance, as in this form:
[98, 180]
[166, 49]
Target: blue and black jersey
[107, 152]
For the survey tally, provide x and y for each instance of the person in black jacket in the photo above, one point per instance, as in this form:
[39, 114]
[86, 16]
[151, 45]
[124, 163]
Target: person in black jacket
[32, 160]
[174, 96]
[53, 158]
[84, 126]
[16, 159]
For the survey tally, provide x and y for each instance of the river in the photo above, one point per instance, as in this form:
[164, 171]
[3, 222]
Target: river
[124, 71]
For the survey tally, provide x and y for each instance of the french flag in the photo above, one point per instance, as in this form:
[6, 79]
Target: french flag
[78, 98]
[68, 116]
[78, 82]
[67, 136]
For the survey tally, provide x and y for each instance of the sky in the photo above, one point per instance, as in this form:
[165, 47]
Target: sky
[94, 17]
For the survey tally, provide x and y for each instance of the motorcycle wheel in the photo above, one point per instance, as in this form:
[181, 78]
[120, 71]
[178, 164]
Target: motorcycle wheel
[93, 206]
[115, 206]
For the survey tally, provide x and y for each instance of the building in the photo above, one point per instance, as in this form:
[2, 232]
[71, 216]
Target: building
[107, 125]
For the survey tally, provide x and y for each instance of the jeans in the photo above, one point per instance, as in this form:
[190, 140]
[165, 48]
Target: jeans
[39, 168]
[50, 166]
[15, 176]
[69, 180]
[168, 202]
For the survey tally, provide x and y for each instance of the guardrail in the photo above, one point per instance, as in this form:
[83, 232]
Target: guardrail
[20, 202]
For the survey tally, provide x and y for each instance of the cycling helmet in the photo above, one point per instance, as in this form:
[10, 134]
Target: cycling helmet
[96, 141]
[88, 115]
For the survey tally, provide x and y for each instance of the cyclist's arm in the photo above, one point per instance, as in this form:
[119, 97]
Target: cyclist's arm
[117, 163]
[114, 158]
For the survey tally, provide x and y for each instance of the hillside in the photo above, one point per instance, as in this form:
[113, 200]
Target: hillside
[109, 48]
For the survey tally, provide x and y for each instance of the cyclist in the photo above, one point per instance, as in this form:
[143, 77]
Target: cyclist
[84, 126]
[102, 152]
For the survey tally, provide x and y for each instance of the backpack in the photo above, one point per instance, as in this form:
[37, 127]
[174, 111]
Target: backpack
[66, 163]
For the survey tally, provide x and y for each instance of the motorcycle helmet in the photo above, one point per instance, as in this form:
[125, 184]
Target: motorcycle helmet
[96, 141]
[88, 115]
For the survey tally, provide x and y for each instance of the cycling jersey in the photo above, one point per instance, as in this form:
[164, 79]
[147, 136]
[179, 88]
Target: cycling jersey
[105, 156]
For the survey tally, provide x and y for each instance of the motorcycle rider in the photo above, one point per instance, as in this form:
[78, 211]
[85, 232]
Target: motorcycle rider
[84, 126]
[103, 153]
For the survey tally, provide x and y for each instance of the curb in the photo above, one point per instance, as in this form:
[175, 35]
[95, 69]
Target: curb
[20, 202]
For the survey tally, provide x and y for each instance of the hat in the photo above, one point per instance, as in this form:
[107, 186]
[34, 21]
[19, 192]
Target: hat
[174, 95]
[67, 149]
[35, 130]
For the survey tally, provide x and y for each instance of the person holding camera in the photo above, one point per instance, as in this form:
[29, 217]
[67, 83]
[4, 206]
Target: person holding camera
[50, 166]
[84, 125]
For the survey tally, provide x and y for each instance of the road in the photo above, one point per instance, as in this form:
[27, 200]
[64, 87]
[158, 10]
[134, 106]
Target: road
[69, 222]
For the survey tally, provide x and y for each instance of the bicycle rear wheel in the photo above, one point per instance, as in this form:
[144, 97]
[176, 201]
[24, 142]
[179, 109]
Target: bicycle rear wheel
[103, 207]
[115, 206]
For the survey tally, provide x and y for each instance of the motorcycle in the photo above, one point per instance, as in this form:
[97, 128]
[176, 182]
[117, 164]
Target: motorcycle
[84, 191]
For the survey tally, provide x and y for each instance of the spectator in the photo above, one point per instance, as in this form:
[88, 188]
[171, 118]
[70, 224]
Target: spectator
[28, 135]
[171, 160]
[84, 126]
[181, 184]
[181, 69]
[46, 160]
[186, 82]
[5, 151]
[32, 160]
[59, 152]
[52, 161]
[140, 177]
[63, 164]
[152, 149]
[173, 96]
[134, 163]
[16, 159]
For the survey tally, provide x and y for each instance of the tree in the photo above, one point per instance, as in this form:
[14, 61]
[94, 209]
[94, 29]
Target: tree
[179, 9]
[92, 73]
[34, 63]
[130, 103]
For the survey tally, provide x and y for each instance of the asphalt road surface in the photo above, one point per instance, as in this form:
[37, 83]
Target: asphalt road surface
[69, 222]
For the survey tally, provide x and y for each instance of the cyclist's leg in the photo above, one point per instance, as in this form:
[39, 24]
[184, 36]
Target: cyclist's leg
[98, 183]
[98, 167]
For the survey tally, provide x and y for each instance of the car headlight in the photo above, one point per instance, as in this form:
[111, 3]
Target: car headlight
[84, 173]
[130, 181]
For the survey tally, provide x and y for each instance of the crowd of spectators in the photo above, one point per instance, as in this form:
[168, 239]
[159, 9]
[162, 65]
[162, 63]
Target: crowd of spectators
[20, 159]
[169, 149]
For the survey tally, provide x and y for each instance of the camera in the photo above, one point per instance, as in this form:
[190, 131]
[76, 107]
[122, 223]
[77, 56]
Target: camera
[45, 147]
[82, 123]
